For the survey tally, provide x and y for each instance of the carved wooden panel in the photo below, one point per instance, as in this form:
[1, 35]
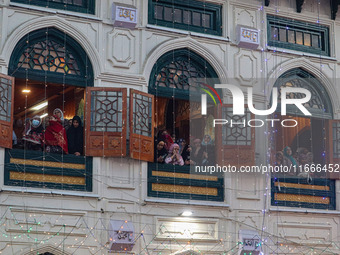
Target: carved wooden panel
[6, 110]
[237, 142]
[106, 114]
[333, 145]
[141, 129]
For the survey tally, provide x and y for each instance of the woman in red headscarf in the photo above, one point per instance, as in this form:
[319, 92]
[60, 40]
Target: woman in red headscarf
[55, 136]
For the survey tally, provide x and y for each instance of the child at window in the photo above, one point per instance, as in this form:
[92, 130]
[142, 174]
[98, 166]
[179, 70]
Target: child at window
[174, 157]
[75, 136]
[55, 136]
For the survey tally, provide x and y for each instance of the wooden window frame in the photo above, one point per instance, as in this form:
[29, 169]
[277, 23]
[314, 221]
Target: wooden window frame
[331, 158]
[299, 26]
[234, 155]
[100, 143]
[6, 127]
[141, 146]
[214, 10]
[88, 6]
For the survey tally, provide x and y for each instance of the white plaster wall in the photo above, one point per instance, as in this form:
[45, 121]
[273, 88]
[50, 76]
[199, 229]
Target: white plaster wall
[124, 58]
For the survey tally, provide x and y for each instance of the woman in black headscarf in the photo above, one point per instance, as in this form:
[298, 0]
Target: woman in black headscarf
[75, 136]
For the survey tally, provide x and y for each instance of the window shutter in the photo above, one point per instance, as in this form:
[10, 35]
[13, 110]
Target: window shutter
[6, 110]
[235, 145]
[333, 142]
[141, 129]
[106, 112]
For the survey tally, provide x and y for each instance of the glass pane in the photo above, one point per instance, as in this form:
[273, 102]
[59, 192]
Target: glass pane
[78, 2]
[50, 56]
[158, 12]
[237, 134]
[142, 115]
[5, 99]
[178, 15]
[106, 111]
[196, 19]
[336, 140]
[187, 17]
[306, 39]
[274, 33]
[291, 36]
[283, 35]
[206, 20]
[168, 16]
[315, 41]
[299, 38]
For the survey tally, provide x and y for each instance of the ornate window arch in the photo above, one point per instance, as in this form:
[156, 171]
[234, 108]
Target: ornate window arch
[50, 53]
[173, 72]
[319, 105]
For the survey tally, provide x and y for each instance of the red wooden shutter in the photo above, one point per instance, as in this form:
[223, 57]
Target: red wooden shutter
[333, 145]
[6, 110]
[106, 112]
[141, 129]
[235, 145]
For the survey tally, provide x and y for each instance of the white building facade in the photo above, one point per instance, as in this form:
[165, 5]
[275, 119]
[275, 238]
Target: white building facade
[124, 67]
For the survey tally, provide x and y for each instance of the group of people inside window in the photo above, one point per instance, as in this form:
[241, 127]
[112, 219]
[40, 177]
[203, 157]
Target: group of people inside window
[52, 134]
[167, 151]
[302, 157]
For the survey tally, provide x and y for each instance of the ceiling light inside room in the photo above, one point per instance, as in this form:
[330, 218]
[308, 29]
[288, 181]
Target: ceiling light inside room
[26, 91]
[40, 106]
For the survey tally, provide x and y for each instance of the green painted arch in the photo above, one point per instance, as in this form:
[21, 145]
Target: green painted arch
[84, 76]
[201, 66]
[320, 105]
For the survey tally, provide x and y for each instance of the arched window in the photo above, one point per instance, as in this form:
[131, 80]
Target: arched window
[308, 145]
[51, 70]
[176, 73]
[319, 105]
[50, 55]
[175, 77]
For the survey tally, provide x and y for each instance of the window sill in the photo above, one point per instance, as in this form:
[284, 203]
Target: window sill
[55, 11]
[179, 31]
[50, 192]
[306, 211]
[187, 202]
[298, 53]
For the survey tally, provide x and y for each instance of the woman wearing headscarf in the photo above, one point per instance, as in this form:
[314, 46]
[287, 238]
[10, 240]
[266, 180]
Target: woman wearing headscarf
[34, 135]
[75, 137]
[287, 152]
[174, 157]
[167, 139]
[160, 152]
[60, 115]
[181, 142]
[197, 152]
[55, 136]
[207, 140]
[208, 150]
[186, 155]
